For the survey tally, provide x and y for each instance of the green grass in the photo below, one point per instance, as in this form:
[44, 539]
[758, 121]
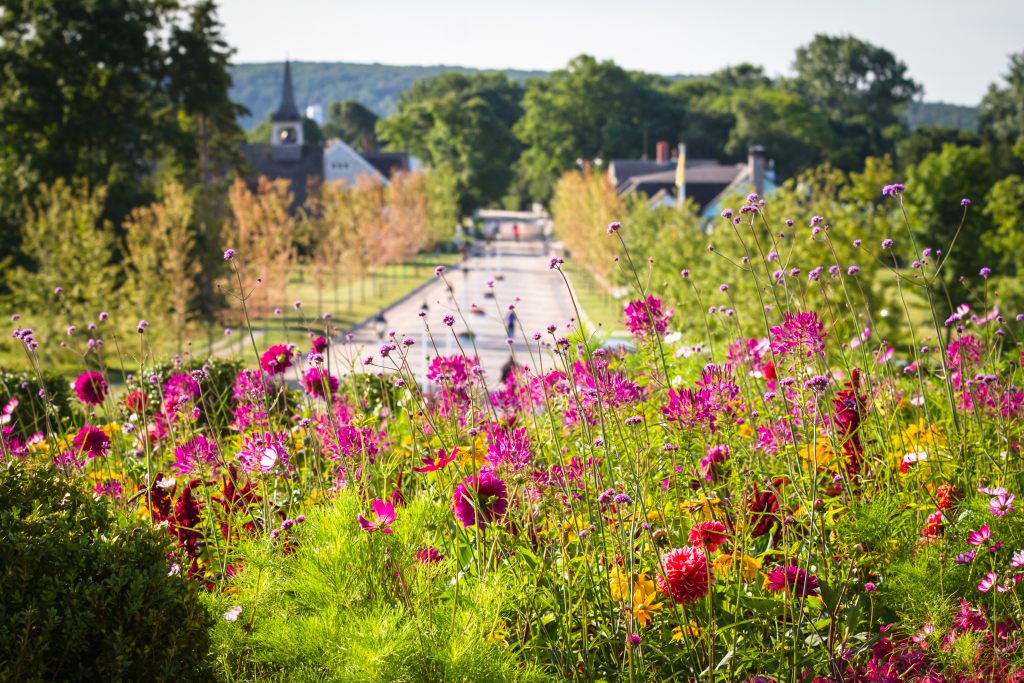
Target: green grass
[599, 306]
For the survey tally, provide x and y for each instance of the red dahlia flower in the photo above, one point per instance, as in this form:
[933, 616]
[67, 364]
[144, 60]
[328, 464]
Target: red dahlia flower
[276, 359]
[688, 574]
[91, 388]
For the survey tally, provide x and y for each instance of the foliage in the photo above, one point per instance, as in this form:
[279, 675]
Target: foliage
[86, 598]
[462, 126]
[71, 251]
[353, 123]
[1002, 118]
[36, 395]
[329, 610]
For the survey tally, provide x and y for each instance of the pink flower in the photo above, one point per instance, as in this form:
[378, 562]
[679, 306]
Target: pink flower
[264, 452]
[194, 454]
[383, 515]
[644, 317]
[794, 579]
[687, 574]
[980, 536]
[1001, 505]
[319, 345]
[432, 464]
[91, 388]
[276, 359]
[708, 535]
[1017, 560]
[986, 583]
[802, 334]
[428, 554]
[92, 442]
[319, 383]
[480, 499]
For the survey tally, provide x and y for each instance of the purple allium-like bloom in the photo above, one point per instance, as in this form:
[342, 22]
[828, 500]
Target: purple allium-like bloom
[91, 388]
[229, 254]
[985, 272]
[91, 441]
[794, 579]
[614, 227]
[439, 271]
[887, 243]
[195, 455]
[800, 334]
[965, 202]
[480, 499]
[264, 452]
[893, 190]
[646, 317]
[448, 319]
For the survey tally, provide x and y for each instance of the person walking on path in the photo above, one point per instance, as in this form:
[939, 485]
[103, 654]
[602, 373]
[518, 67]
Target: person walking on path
[510, 323]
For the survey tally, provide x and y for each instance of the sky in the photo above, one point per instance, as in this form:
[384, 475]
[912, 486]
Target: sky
[954, 49]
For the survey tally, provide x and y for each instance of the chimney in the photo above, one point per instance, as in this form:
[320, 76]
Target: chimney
[662, 152]
[757, 164]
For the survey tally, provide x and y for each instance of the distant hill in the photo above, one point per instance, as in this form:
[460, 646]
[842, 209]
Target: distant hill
[941, 114]
[258, 86]
[377, 86]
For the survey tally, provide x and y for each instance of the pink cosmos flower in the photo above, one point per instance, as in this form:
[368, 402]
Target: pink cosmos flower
[276, 359]
[1001, 505]
[986, 583]
[794, 579]
[383, 515]
[264, 452]
[1017, 560]
[980, 536]
[432, 464]
[91, 388]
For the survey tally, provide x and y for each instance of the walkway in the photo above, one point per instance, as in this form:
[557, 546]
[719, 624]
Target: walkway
[520, 269]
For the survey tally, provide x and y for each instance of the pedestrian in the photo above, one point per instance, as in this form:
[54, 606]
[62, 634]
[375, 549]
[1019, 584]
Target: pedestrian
[515, 232]
[510, 323]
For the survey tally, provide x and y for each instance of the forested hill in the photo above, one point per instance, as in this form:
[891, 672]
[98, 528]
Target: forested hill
[377, 86]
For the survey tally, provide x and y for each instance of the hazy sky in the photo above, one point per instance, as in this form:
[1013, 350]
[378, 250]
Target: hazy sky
[955, 49]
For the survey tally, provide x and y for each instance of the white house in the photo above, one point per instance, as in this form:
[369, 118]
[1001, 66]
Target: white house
[341, 162]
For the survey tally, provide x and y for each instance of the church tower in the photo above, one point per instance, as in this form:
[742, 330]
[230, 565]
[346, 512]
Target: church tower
[286, 137]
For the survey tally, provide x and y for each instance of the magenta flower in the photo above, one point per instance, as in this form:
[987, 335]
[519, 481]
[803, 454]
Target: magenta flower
[91, 388]
[319, 345]
[194, 455]
[644, 317]
[509, 448]
[794, 579]
[1017, 560]
[802, 334]
[980, 536]
[480, 499]
[264, 452]
[986, 583]
[276, 359]
[428, 554]
[319, 383]
[432, 464]
[1001, 505]
[383, 515]
[92, 442]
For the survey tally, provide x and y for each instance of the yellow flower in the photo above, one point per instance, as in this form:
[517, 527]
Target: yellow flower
[499, 634]
[701, 509]
[748, 566]
[111, 428]
[644, 608]
[818, 454]
[692, 631]
[619, 584]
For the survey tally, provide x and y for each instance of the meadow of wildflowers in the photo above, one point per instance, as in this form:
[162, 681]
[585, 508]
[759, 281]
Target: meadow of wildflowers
[813, 502]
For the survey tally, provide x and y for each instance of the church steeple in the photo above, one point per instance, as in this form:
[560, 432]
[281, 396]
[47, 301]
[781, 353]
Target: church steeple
[286, 123]
[287, 111]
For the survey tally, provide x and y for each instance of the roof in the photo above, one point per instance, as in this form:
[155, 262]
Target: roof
[387, 162]
[287, 111]
[622, 170]
[309, 164]
[704, 181]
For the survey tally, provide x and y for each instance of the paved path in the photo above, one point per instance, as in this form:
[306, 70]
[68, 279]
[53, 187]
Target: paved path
[521, 269]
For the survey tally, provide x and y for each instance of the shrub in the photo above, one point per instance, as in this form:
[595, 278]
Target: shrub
[85, 598]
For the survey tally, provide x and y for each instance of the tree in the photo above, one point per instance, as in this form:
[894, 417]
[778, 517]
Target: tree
[69, 246]
[261, 232]
[921, 142]
[353, 123]
[588, 110]
[862, 88]
[160, 261]
[1002, 118]
[102, 91]
[460, 124]
[934, 190]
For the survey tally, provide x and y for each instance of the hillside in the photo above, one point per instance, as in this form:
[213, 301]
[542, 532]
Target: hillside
[258, 87]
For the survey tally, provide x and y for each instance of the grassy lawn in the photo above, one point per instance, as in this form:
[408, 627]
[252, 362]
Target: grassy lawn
[599, 306]
[352, 303]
